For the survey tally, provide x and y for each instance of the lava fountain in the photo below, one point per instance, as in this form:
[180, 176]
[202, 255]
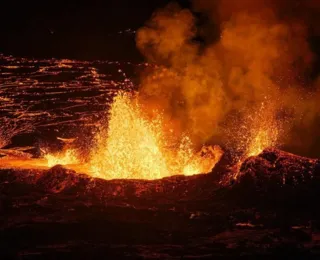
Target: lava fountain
[260, 130]
[136, 147]
[133, 145]
[67, 157]
[263, 132]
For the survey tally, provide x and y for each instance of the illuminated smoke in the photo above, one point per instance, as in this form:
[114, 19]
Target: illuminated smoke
[241, 56]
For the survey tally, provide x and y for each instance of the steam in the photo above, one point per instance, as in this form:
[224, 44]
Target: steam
[221, 72]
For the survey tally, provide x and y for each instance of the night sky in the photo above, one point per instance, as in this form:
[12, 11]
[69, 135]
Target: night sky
[78, 29]
[74, 29]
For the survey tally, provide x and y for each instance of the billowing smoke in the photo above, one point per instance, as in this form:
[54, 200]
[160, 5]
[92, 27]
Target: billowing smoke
[219, 63]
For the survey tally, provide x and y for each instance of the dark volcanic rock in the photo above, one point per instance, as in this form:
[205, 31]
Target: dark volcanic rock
[281, 167]
[272, 209]
[280, 179]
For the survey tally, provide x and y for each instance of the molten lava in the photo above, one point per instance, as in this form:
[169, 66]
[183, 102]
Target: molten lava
[131, 145]
[261, 138]
[134, 146]
[261, 130]
[264, 131]
[67, 157]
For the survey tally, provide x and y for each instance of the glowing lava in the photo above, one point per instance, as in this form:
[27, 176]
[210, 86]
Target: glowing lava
[67, 157]
[260, 131]
[263, 132]
[133, 146]
[261, 139]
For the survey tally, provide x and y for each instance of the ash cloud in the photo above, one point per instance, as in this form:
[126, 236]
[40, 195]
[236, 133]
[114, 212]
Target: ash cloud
[217, 63]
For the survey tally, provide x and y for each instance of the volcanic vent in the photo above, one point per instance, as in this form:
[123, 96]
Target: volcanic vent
[185, 163]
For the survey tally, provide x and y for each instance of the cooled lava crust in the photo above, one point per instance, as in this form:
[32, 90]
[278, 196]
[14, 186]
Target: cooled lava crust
[272, 209]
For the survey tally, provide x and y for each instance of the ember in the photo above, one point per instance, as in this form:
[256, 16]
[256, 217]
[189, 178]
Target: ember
[262, 132]
[131, 146]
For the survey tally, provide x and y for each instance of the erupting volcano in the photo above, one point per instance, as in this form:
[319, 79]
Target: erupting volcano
[171, 149]
[133, 146]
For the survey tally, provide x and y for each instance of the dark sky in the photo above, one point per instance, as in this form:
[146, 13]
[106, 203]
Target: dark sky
[74, 29]
[79, 29]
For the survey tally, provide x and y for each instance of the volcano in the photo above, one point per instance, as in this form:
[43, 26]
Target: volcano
[167, 151]
[270, 209]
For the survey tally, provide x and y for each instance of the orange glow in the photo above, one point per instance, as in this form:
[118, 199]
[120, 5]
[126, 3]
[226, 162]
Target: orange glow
[264, 131]
[262, 138]
[10, 128]
[66, 157]
[259, 131]
[133, 146]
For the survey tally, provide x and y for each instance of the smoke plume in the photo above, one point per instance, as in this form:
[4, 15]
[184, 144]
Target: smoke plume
[220, 62]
